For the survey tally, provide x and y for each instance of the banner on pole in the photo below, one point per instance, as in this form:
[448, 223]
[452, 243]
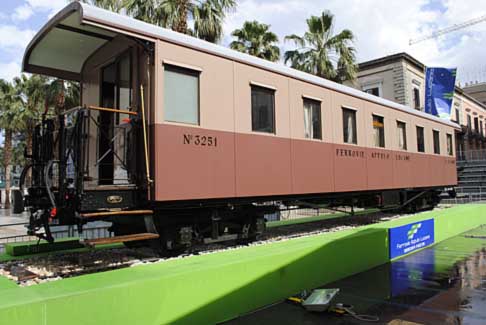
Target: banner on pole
[439, 91]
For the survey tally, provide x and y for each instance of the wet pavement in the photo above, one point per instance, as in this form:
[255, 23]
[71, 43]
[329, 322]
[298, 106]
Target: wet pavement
[7, 218]
[444, 284]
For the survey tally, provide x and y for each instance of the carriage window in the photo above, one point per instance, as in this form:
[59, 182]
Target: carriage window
[449, 144]
[436, 142]
[379, 131]
[420, 139]
[349, 126]
[181, 95]
[262, 109]
[402, 135]
[312, 119]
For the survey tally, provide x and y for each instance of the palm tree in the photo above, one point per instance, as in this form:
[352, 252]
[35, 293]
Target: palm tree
[321, 53]
[206, 15]
[256, 39]
[32, 92]
[10, 110]
[112, 5]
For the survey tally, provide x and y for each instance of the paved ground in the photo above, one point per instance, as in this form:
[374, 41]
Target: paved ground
[445, 284]
[6, 217]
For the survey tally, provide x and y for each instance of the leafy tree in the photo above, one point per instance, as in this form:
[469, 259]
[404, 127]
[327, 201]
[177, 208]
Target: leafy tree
[10, 111]
[256, 39]
[322, 53]
[206, 15]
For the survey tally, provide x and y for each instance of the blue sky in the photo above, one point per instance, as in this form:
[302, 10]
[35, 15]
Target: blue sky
[382, 27]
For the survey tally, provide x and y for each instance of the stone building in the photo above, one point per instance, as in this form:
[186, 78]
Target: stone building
[401, 78]
[476, 90]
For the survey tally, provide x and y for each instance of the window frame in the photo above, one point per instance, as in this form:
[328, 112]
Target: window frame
[450, 149]
[436, 141]
[417, 128]
[370, 86]
[182, 69]
[315, 101]
[355, 135]
[405, 142]
[381, 131]
[271, 90]
[416, 98]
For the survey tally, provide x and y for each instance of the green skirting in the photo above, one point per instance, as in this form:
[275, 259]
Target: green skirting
[216, 287]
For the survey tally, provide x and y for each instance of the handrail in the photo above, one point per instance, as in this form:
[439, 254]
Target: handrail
[112, 110]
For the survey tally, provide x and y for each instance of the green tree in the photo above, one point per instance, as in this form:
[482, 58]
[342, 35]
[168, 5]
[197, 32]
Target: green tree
[322, 53]
[206, 16]
[10, 111]
[256, 39]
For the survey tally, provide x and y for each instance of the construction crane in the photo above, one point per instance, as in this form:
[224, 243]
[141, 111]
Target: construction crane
[449, 29]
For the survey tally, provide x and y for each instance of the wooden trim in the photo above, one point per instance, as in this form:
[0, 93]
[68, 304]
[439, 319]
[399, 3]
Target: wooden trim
[181, 65]
[120, 239]
[116, 213]
[112, 110]
[317, 99]
[258, 84]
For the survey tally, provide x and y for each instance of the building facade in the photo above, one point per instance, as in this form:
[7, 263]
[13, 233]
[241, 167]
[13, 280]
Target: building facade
[401, 78]
[476, 90]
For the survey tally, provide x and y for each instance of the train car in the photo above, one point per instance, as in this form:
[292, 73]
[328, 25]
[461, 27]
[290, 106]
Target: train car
[179, 141]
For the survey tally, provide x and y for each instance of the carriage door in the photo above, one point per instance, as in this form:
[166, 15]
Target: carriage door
[114, 130]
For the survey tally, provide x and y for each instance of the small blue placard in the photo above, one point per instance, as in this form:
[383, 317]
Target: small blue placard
[406, 239]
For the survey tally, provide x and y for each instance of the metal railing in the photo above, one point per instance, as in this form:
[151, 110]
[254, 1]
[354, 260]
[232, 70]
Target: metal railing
[471, 155]
[100, 231]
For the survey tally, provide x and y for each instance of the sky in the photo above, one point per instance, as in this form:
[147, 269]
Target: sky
[381, 27]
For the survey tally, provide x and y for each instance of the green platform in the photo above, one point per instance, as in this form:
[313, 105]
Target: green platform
[216, 287]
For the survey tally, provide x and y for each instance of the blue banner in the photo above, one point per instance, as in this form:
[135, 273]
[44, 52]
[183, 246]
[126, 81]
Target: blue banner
[406, 239]
[439, 91]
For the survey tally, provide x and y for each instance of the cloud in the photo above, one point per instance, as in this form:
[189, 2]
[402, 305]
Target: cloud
[9, 70]
[14, 38]
[381, 27]
[23, 12]
[49, 6]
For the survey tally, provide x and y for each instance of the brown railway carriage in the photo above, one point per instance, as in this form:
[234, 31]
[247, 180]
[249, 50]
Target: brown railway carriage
[223, 128]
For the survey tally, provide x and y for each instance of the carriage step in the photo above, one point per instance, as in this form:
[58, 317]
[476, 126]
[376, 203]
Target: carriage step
[120, 239]
[116, 213]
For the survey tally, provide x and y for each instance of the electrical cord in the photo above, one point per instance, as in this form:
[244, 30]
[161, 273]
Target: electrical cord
[350, 311]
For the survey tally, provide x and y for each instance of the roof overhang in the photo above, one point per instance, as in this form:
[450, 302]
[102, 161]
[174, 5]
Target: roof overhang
[63, 45]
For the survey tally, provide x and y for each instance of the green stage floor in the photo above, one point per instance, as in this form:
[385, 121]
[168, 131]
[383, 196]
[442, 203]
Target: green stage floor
[217, 287]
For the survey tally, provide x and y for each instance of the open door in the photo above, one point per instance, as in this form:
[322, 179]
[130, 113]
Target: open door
[115, 132]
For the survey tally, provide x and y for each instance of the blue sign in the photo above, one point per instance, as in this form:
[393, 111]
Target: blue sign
[411, 237]
[439, 91]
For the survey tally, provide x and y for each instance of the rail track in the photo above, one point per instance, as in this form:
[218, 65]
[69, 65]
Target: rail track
[59, 265]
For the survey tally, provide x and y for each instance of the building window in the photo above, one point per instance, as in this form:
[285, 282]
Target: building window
[416, 98]
[476, 124]
[449, 144]
[373, 89]
[181, 95]
[481, 127]
[420, 139]
[262, 109]
[469, 123]
[379, 131]
[436, 136]
[458, 120]
[402, 135]
[349, 126]
[312, 119]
